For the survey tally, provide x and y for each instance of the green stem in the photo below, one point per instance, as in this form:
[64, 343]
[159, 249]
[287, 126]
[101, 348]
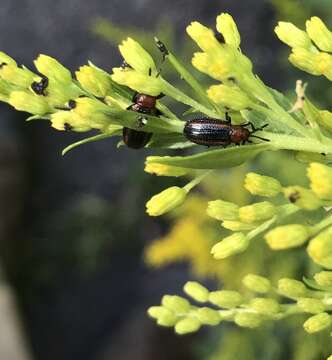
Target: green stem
[196, 181]
[290, 142]
[191, 81]
[284, 211]
[178, 95]
[321, 225]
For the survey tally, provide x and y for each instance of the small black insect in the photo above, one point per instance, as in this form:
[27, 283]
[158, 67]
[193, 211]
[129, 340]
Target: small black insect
[215, 132]
[39, 87]
[144, 104]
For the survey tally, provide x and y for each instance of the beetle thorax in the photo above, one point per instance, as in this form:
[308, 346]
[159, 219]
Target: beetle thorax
[239, 134]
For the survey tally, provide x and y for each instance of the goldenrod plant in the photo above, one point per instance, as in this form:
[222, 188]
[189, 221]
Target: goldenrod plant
[289, 217]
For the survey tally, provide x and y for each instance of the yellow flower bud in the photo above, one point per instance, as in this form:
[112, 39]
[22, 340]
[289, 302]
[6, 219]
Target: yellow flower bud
[141, 83]
[226, 298]
[262, 185]
[302, 197]
[5, 59]
[17, 76]
[265, 306]
[201, 61]
[176, 303]
[95, 81]
[329, 358]
[197, 291]
[323, 64]
[292, 288]
[257, 283]
[207, 316]
[67, 120]
[319, 33]
[317, 323]
[231, 245]
[166, 201]
[323, 278]
[257, 212]
[229, 96]
[287, 236]
[137, 57]
[292, 35]
[227, 27]
[93, 111]
[51, 68]
[250, 320]
[203, 36]
[31, 103]
[187, 325]
[320, 180]
[222, 210]
[304, 60]
[237, 225]
[309, 305]
[320, 248]
[165, 317]
[162, 169]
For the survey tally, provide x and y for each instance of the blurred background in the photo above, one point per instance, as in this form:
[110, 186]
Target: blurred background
[79, 260]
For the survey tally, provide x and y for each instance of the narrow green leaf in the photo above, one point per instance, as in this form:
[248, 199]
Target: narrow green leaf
[169, 141]
[86, 140]
[215, 159]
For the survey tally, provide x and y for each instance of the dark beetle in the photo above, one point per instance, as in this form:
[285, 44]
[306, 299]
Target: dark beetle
[144, 104]
[214, 132]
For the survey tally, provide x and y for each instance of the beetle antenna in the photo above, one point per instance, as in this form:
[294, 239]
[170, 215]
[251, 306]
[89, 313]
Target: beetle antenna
[258, 137]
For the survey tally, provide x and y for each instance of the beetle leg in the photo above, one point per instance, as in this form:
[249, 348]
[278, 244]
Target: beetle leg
[228, 118]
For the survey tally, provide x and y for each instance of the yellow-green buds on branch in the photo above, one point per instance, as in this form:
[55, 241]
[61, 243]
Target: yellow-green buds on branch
[320, 248]
[197, 291]
[27, 101]
[187, 325]
[319, 33]
[139, 82]
[324, 278]
[292, 35]
[166, 201]
[302, 197]
[310, 305]
[257, 283]
[204, 37]
[226, 299]
[164, 316]
[207, 316]
[229, 96]
[320, 180]
[317, 323]
[17, 76]
[265, 306]
[223, 210]
[262, 185]
[249, 320]
[93, 80]
[137, 57]
[162, 169]
[51, 68]
[231, 245]
[227, 27]
[257, 212]
[176, 303]
[304, 60]
[287, 236]
[292, 288]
